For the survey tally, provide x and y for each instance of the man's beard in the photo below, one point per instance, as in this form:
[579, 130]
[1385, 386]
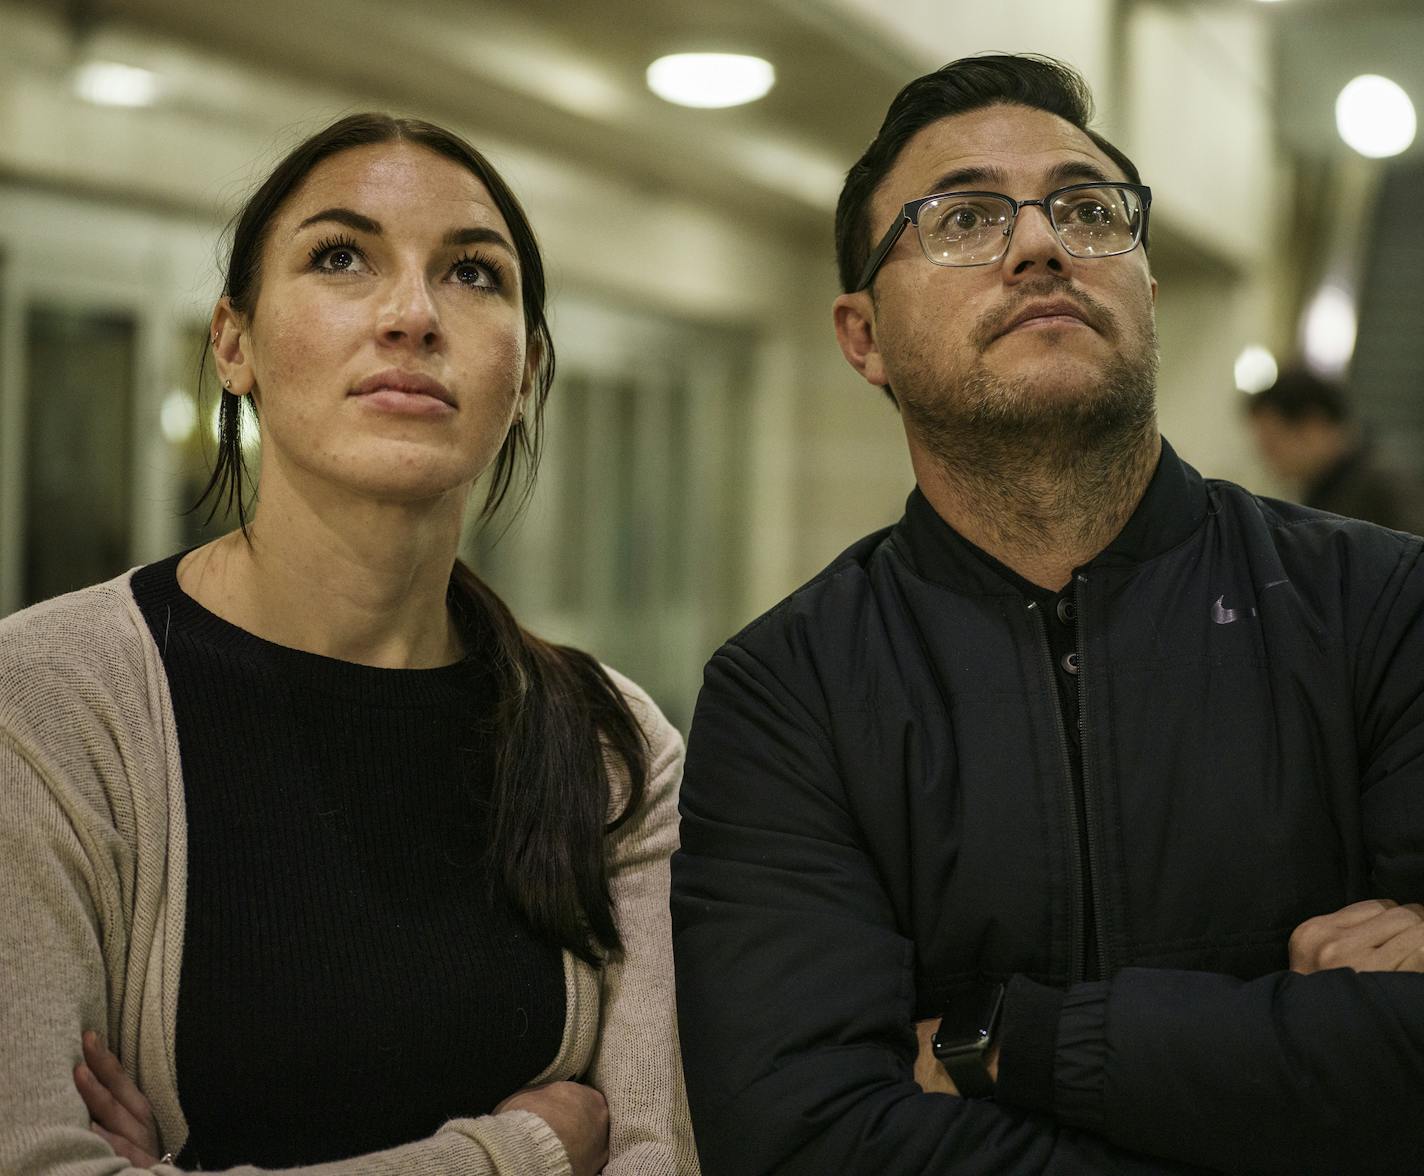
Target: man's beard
[1032, 459]
[988, 419]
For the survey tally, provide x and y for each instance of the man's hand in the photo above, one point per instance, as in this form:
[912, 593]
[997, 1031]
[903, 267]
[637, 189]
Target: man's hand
[928, 1072]
[578, 1115]
[1376, 935]
[118, 1111]
[930, 1075]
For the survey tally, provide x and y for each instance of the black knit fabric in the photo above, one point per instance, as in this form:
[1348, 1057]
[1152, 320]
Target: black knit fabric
[351, 978]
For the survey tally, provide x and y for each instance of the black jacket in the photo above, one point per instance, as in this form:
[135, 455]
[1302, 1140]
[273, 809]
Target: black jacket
[877, 809]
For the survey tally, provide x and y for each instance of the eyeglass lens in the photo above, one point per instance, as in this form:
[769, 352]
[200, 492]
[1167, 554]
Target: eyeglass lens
[974, 230]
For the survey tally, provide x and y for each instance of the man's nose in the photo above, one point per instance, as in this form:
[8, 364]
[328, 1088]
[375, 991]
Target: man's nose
[1034, 246]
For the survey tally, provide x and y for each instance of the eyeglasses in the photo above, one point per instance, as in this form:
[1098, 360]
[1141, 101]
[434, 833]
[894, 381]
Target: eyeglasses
[974, 228]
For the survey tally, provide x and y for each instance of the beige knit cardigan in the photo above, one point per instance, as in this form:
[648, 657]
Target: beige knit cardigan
[92, 891]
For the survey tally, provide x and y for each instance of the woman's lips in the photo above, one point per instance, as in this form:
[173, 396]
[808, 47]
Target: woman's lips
[408, 393]
[405, 403]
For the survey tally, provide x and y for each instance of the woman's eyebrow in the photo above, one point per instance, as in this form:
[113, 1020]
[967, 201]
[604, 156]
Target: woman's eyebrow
[365, 224]
[344, 216]
[478, 236]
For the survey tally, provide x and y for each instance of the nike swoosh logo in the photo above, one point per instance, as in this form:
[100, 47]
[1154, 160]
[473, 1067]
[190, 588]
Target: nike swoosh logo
[1225, 616]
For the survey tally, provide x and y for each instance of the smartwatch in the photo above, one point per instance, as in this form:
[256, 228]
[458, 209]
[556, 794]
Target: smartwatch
[965, 1036]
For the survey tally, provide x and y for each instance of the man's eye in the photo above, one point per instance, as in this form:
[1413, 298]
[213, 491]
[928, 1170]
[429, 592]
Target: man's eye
[961, 218]
[1093, 213]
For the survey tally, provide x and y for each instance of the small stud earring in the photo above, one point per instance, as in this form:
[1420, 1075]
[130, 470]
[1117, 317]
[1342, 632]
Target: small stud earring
[227, 385]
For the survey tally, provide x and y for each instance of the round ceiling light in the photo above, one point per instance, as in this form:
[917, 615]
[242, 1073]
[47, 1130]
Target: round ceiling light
[710, 80]
[108, 83]
[1256, 369]
[1375, 116]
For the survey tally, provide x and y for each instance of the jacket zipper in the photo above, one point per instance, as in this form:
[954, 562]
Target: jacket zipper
[1080, 582]
[1075, 865]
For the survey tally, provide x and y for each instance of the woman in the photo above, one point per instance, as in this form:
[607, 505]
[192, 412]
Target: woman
[347, 868]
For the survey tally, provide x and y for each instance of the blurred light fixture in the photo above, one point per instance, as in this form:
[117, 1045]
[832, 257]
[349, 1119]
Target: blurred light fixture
[178, 417]
[1256, 369]
[1330, 326]
[1375, 116]
[710, 79]
[107, 83]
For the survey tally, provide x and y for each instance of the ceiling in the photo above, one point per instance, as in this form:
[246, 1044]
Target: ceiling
[567, 78]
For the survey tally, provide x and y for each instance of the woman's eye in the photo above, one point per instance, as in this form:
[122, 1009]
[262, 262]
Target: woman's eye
[336, 257]
[469, 271]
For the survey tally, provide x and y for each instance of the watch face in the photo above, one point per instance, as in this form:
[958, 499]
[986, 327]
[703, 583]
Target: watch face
[970, 1017]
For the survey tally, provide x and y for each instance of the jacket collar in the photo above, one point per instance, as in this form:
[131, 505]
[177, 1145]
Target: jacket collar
[1173, 506]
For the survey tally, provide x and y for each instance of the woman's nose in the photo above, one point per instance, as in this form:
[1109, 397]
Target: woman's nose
[411, 314]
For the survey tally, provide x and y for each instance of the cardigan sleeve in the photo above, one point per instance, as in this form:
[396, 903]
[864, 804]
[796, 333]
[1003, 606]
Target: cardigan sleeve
[637, 1064]
[64, 905]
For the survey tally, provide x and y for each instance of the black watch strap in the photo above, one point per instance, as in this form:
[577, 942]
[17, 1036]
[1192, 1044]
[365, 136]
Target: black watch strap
[966, 1035]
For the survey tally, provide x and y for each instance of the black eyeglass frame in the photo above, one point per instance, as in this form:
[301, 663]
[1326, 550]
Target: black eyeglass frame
[910, 215]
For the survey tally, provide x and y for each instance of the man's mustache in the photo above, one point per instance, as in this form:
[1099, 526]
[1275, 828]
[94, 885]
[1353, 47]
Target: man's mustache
[993, 323]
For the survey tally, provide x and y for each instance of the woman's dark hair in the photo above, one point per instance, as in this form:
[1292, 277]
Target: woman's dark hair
[971, 83]
[562, 726]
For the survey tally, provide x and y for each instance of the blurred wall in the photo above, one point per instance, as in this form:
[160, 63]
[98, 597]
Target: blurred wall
[673, 220]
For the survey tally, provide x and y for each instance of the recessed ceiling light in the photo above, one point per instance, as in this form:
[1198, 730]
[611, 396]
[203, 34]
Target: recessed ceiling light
[1330, 326]
[1256, 369]
[1375, 116]
[710, 79]
[107, 83]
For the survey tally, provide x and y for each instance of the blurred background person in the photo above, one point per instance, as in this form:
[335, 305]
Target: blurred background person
[1309, 438]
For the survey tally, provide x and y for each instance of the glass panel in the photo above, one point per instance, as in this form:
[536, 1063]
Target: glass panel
[79, 411]
[629, 547]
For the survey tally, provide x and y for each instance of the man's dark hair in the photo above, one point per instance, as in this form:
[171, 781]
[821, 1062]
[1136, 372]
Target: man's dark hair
[1299, 394]
[971, 83]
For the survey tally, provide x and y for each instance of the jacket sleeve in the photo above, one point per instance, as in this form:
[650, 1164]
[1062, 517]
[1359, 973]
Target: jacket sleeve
[636, 1063]
[63, 911]
[795, 991]
[1285, 1073]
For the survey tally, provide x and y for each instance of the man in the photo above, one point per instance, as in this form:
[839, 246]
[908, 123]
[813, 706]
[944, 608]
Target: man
[1306, 434]
[1067, 755]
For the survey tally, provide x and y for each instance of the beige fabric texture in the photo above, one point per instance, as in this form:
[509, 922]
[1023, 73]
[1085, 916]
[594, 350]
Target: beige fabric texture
[92, 888]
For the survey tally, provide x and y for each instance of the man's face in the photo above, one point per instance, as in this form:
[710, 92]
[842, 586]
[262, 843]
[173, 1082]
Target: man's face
[934, 332]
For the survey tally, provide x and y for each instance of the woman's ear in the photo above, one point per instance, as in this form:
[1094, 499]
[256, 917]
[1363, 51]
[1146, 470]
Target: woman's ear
[528, 390]
[231, 347]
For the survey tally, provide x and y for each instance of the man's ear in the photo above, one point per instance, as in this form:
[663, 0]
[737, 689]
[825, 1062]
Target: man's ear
[231, 349]
[854, 316]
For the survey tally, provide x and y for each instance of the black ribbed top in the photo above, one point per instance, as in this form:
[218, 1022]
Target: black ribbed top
[351, 978]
